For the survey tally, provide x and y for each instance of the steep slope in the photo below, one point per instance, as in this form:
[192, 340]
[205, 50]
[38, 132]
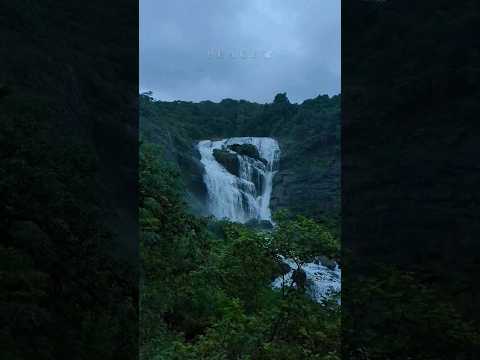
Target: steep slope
[308, 135]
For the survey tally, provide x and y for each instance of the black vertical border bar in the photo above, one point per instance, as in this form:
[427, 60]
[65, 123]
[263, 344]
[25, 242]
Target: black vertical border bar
[69, 249]
[410, 175]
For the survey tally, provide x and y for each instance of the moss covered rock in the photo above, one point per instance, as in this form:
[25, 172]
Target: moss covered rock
[249, 150]
[228, 160]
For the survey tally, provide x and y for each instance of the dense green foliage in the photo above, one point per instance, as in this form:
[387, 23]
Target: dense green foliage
[308, 133]
[206, 290]
[303, 239]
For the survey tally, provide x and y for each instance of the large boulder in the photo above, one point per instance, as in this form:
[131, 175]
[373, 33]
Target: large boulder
[228, 160]
[249, 150]
[299, 277]
[284, 268]
[325, 261]
[281, 269]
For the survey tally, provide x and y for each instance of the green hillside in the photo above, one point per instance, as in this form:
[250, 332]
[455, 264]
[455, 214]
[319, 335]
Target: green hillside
[308, 133]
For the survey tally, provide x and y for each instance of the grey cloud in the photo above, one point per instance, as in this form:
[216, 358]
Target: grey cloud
[250, 49]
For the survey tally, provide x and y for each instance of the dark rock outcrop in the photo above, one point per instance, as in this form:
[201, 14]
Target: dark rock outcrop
[284, 268]
[228, 160]
[197, 193]
[299, 277]
[249, 150]
[325, 261]
[308, 177]
[258, 180]
[309, 187]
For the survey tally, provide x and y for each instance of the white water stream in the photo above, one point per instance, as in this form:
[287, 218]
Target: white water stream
[322, 282]
[247, 197]
[238, 198]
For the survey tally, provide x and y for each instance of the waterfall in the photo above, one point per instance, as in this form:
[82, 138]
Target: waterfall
[322, 281]
[239, 185]
[240, 188]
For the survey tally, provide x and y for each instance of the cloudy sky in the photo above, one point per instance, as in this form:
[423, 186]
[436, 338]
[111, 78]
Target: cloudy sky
[241, 49]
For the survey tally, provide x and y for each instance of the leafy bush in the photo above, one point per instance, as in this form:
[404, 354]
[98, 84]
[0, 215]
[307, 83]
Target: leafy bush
[206, 285]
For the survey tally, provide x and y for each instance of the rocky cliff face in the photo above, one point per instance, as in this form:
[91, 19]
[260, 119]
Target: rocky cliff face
[308, 180]
[307, 183]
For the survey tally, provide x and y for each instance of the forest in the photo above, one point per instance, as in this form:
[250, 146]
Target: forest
[309, 136]
[205, 290]
[206, 283]
[68, 186]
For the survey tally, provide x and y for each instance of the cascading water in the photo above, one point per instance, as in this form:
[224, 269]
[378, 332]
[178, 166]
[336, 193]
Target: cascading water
[239, 185]
[322, 281]
[242, 193]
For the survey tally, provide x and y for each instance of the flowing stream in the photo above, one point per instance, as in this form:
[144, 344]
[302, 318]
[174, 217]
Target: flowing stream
[246, 196]
[322, 281]
[239, 189]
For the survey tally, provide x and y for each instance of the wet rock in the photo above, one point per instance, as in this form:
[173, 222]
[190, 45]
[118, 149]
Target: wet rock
[257, 179]
[299, 277]
[249, 150]
[284, 268]
[328, 263]
[228, 160]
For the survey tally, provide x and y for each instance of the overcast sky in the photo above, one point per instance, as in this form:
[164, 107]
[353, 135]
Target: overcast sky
[241, 49]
